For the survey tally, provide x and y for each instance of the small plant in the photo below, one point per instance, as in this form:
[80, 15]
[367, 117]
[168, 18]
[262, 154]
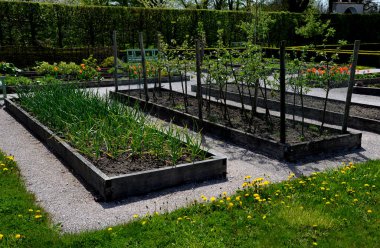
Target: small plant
[8, 68]
[12, 81]
[109, 62]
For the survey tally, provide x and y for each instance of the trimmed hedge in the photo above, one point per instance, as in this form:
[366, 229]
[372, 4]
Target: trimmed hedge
[46, 25]
[56, 25]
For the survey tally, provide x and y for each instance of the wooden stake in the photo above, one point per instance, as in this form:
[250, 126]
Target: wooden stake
[350, 86]
[282, 93]
[143, 65]
[199, 82]
[115, 60]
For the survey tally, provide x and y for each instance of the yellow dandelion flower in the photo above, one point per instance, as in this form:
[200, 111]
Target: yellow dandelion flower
[38, 216]
[355, 200]
[247, 177]
[109, 229]
[228, 199]
[135, 216]
[369, 211]
[264, 217]
[343, 183]
[11, 158]
[20, 215]
[328, 203]
[256, 195]
[249, 217]
[18, 236]
[221, 201]
[212, 199]
[230, 205]
[5, 169]
[246, 195]
[1, 236]
[224, 193]
[38, 211]
[179, 218]
[259, 179]
[237, 198]
[30, 210]
[322, 188]
[245, 184]
[156, 213]
[366, 185]
[143, 223]
[315, 243]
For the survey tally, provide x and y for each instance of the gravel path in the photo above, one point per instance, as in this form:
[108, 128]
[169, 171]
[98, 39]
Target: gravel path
[71, 204]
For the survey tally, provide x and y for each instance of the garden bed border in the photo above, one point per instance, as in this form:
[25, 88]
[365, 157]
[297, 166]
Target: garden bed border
[372, 91]
[117, 187]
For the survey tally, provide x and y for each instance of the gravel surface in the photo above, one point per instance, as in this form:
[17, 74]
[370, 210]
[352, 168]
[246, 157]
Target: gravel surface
[69, 203]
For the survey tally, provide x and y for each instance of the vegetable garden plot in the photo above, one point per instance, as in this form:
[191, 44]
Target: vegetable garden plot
[116, 150]
[258, 136]
[362, 117]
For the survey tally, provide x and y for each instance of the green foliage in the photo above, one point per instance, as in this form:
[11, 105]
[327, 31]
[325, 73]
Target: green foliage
[12, 80]
[22, 222]
[101, 127]
[314, 26]
[88, 70]
[337, 208]
[8, 68]
[108, 62]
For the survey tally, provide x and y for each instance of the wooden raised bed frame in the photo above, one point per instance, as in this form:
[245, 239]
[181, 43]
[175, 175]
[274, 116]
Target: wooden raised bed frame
[289, 152]
[117, 187]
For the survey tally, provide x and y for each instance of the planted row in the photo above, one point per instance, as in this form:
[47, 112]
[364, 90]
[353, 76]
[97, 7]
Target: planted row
[100, 128]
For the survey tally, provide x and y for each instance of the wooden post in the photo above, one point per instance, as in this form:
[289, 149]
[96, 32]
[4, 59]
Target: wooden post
[350, 86]
[199, 82]
[282, 93]
[115, 61]
[143, 65]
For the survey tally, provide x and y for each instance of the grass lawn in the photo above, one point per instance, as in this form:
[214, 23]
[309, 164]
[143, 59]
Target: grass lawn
[338, 208]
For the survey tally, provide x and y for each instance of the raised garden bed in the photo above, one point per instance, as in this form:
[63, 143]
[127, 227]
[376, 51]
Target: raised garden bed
[105, 83]
[368, 86]
[372, 91]
[112, 187]
[259, 142]
[362, 117]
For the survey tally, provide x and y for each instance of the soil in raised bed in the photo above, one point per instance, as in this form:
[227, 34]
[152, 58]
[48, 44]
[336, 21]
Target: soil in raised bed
[125, 163]
[261, 128]
[312, 102]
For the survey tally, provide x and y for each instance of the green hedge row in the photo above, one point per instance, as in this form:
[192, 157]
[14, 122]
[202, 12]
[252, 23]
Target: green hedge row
[55, 25]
